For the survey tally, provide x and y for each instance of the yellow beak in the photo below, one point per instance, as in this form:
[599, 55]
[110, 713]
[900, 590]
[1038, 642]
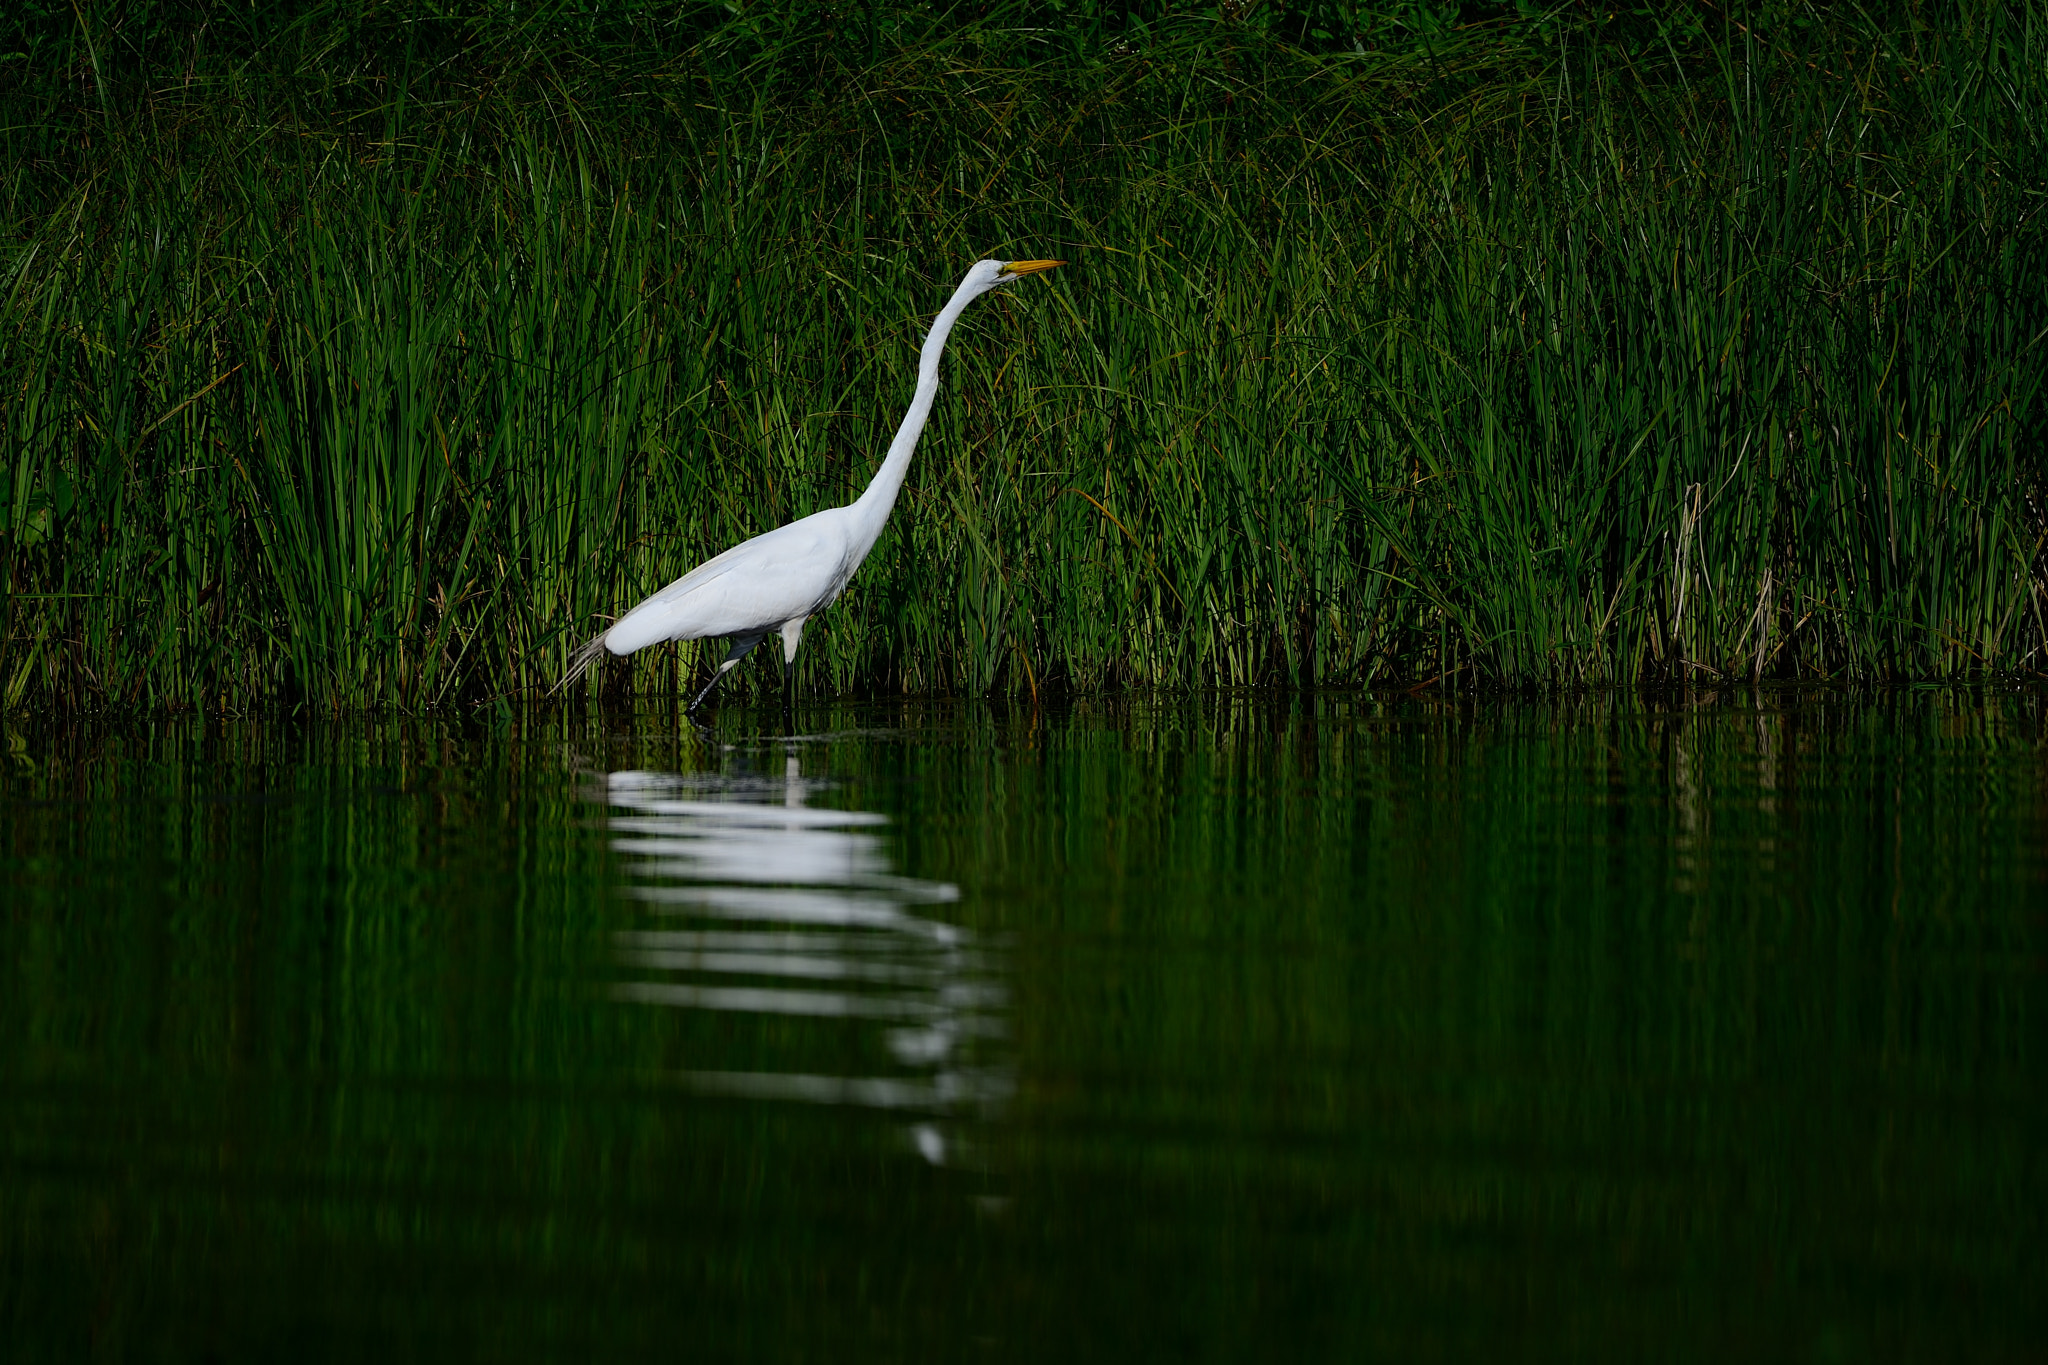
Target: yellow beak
[1016, 268]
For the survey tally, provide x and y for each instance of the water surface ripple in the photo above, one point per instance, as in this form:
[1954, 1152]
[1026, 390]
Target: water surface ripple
[1696, 1027]
[762, 904]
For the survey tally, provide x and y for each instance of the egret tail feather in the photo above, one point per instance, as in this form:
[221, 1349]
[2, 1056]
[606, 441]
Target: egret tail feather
[579, 663]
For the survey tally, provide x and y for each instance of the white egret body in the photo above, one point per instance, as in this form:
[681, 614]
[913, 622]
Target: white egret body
[776, 581]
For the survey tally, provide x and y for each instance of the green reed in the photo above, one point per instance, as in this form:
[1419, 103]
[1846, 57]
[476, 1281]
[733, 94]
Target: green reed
[1493, 362]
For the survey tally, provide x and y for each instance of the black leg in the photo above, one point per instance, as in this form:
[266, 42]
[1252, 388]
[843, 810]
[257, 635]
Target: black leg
[699, 699]
[740, 645]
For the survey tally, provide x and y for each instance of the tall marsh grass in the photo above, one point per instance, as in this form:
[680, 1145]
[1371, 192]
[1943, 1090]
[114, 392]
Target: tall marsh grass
[1487, 360]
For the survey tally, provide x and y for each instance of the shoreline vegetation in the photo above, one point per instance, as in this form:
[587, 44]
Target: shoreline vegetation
[362, 359]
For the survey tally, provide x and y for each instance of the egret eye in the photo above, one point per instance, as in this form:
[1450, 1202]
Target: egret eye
[1017, 269]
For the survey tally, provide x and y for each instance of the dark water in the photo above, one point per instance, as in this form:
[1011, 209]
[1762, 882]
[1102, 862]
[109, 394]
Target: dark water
[1323, 1029]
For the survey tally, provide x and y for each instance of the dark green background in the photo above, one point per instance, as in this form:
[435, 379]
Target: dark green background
[361, 356]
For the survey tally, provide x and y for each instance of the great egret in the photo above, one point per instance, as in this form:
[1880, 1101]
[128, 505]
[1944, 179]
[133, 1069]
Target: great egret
[778, 580]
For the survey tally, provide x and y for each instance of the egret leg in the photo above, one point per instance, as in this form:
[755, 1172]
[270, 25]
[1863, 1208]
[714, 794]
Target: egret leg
[792, 635]
[740, 645]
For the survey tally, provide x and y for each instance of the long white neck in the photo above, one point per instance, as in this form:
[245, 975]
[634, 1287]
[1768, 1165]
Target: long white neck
[871, 509]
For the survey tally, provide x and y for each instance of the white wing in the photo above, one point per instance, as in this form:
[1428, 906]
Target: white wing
[757, 585]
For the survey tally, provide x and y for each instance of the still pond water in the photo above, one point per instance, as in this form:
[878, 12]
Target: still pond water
[1312, 1029]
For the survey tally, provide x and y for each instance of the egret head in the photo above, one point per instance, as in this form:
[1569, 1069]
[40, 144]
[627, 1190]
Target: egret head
[986, 275]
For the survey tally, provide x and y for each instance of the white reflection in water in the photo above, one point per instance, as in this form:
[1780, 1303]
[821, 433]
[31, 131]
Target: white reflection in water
[768, 906]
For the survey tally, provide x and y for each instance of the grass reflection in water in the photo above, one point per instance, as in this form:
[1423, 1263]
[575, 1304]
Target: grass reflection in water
[1225, 1029]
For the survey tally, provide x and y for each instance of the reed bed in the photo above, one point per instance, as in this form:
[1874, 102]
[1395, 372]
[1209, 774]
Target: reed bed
[361, 368]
